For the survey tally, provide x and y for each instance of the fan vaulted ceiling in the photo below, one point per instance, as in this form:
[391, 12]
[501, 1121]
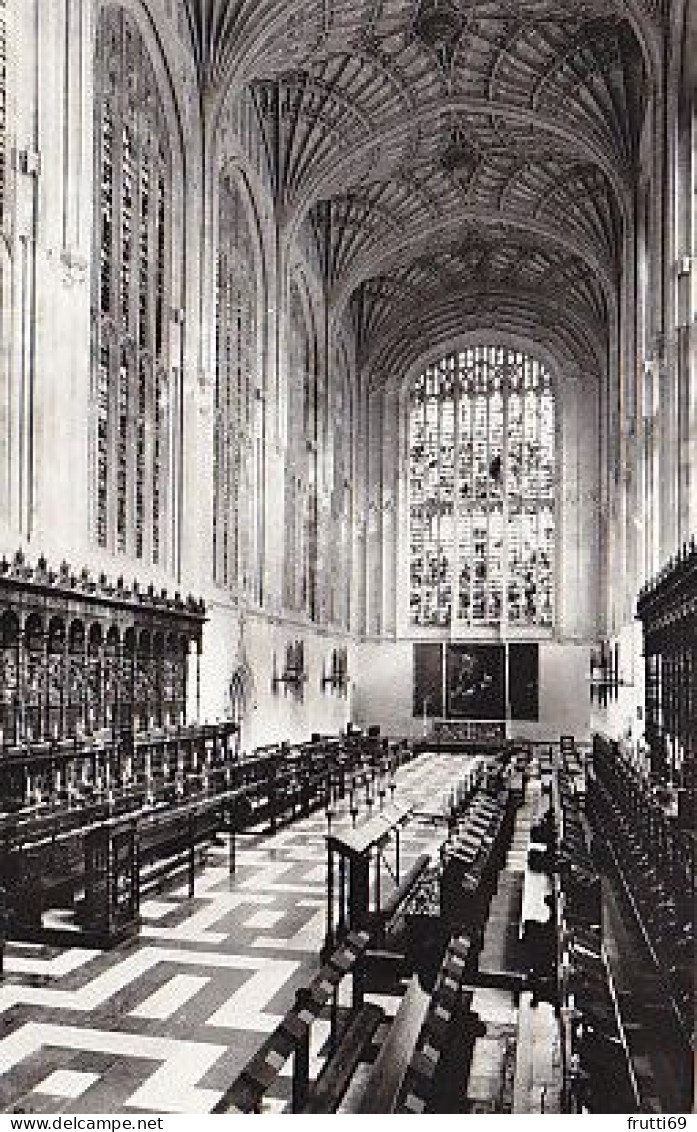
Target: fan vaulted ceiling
[447, 157]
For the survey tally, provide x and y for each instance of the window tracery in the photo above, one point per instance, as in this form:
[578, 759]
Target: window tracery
[236, 536]
[301, 502]
[482, 490]
[340, 431]
[132, 294]
[3, 105]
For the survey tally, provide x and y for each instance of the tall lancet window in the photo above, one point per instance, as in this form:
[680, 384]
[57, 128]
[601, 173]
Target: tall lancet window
[300, 504]
[341, 480]
[3, 104]
[132, 295]
[482, 490]
[236, 518]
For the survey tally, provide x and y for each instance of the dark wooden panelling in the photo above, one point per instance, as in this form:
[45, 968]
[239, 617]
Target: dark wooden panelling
[428, 679]
[523, 681]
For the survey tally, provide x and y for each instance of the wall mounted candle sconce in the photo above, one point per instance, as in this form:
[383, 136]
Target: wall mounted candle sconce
[294, 674]
[337, 678]
[605, 678]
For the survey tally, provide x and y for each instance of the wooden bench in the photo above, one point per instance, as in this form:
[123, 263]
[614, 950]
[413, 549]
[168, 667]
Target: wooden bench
[44, 875]
[444, 1046]
[165, 849]
[354, 1043]
[380, 1091]
[291, 1038]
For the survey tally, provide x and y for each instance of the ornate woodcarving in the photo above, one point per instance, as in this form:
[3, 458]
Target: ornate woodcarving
[667, 608]
[78, 654]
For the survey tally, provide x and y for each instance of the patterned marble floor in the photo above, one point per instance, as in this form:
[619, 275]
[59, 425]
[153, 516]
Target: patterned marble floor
[165, 1022]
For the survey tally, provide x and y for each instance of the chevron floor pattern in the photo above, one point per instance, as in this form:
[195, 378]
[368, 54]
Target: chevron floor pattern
[165, 1022]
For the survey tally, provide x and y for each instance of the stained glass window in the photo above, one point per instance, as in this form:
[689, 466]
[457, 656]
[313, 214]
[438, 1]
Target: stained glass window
[3, 103]
[482, 490]
[236, 536]
[131, 294]
[300, 504]
[340, 479]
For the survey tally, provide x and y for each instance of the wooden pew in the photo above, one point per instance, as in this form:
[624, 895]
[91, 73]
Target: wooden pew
[291, 1039]
[352, 1049]
[439, 1065]
[379, 1092]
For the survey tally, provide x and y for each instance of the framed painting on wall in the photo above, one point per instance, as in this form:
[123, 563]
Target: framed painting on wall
[476, 682]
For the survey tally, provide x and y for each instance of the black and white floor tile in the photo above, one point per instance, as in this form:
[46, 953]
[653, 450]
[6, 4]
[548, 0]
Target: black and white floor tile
[165, 1023]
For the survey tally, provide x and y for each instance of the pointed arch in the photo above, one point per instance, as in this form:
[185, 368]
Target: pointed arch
[340, 446]
[301, 471]
[137, 270]
[482, 448]
[239, 405]
[3, 108]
